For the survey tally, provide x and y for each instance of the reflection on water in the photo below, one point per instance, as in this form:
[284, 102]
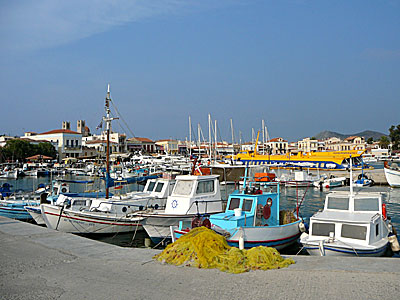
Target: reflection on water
[312, 201]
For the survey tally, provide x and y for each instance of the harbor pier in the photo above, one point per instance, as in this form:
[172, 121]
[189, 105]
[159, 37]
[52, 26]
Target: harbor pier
[39, 263]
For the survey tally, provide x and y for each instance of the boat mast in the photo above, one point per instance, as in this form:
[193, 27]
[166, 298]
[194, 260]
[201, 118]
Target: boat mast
[190, 136]
[209, 135]
[107, 119]
[263, 134]
[215, 137]
[351, 176]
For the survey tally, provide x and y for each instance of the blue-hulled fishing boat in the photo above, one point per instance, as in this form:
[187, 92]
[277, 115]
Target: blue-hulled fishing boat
[252, 218]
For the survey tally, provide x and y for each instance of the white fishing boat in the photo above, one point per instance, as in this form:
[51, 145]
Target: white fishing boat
[392, 174]
[351, 224]
[332, 181]
[191, 195]
[301, 179]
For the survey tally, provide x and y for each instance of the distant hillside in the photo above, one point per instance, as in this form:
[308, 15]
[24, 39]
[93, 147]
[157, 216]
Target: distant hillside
[366, 134]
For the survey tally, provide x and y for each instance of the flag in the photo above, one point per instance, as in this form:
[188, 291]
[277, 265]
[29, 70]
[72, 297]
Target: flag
[100, 125]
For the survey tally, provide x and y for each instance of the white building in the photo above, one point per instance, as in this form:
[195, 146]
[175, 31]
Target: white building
[68, 143]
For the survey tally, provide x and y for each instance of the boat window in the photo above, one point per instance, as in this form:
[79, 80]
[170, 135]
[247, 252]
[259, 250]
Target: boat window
[183, 187]
[234, 203]
[338, 203]
[204, 187]
[377, 229]
[247, 204]
[322, 229]
[366, 204]
[354, 232]
[150, 188]
[159, 187]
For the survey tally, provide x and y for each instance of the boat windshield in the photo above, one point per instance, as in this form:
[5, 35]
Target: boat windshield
[204, 187]
[234, 203]
[322, 229]
[354, 231]
[150, 188]
[247, 204]
[366, 204]
[338, 203]
[159, 187]
[183, 187]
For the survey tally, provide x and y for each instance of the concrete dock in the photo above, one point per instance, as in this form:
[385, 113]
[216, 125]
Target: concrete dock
[38, 263]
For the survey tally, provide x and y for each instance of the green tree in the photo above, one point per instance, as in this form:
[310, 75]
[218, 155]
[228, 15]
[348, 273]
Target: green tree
[384, 142]
[370, 140]
[46, 149]
[18, 149]
[394, 134]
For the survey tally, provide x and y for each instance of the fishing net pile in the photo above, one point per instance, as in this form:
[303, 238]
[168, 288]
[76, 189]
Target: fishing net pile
[203, 248]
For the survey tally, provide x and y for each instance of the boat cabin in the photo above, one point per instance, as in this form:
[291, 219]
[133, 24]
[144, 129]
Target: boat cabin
[160, 188]
[351, 218]
[249, 208]
[194, 194]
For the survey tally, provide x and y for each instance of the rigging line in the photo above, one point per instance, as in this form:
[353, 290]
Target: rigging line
[123, 120]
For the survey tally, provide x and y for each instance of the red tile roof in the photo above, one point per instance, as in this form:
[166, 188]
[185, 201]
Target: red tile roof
[60, 131]
[277, 140]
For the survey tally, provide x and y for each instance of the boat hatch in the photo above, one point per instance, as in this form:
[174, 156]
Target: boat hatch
[354, 232]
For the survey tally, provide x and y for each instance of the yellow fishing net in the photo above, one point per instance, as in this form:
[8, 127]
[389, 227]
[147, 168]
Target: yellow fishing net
[203, 248]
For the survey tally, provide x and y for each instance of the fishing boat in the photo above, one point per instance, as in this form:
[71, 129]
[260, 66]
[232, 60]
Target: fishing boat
[14, 206]
[252, 218]
[191, 195]
[351, 224]
[331, 182]
[301, 179]
[392, 174]
[57, 188]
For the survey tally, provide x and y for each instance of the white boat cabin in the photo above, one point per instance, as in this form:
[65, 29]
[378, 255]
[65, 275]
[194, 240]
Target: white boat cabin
[358, 218]
[195, 194]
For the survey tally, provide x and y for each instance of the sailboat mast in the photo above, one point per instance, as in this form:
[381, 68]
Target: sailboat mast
[108, 121]
[190, 136]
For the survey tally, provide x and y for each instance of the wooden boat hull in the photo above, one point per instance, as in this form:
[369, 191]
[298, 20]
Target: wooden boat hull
[67, 220]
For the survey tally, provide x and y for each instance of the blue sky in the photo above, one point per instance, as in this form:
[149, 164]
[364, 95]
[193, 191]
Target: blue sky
[302, 66]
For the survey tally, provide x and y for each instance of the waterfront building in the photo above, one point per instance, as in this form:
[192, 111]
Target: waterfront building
[277, 146]
[350, 143]
[67, 143]
[308, 145]
[168, 146]
[137, 144]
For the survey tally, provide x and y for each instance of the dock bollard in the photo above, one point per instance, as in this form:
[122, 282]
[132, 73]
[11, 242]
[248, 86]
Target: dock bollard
[147, 242]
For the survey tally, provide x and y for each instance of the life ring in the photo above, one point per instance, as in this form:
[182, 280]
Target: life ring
[266, 212]
[269, 202]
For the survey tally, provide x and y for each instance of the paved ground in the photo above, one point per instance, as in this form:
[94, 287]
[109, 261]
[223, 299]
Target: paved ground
[38, 263]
